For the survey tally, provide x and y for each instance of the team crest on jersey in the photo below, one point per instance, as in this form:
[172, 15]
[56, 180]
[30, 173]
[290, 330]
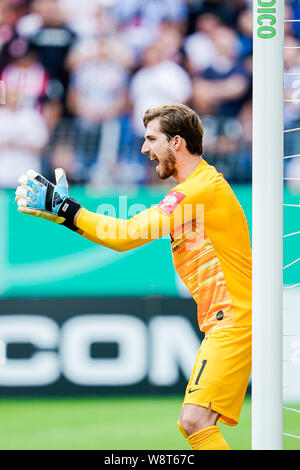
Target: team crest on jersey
[170, 202]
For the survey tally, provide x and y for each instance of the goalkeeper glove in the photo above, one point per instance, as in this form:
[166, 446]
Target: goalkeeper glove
[39, 197]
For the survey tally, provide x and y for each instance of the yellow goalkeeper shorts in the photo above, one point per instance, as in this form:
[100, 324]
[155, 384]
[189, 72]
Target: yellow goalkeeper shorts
[221, 373]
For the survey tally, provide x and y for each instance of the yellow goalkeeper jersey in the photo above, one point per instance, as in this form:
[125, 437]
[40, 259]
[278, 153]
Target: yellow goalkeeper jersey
[210, 243]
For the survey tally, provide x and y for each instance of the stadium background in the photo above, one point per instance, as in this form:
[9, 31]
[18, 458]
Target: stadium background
[99, 344]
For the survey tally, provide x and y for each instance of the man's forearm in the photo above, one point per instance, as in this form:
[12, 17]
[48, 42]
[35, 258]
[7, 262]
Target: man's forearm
[120, 234]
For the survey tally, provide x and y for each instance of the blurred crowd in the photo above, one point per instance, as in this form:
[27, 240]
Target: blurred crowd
[78, 76]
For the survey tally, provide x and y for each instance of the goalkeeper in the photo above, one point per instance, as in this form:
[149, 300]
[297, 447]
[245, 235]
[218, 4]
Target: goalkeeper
[211, 251]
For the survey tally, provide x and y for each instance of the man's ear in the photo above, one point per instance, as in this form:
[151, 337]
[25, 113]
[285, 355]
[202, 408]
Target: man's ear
[177, 142]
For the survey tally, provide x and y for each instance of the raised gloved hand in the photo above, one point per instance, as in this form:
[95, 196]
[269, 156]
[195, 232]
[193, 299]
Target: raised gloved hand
[39, 197]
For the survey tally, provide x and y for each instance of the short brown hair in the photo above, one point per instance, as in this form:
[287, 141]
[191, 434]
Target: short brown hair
[178, 119]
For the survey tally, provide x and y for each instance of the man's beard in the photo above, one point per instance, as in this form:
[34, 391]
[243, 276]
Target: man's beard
[167, 166]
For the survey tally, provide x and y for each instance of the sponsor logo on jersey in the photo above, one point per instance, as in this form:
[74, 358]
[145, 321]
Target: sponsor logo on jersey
[170, 202]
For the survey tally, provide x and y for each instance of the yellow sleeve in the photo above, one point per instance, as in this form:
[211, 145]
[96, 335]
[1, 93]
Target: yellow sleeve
[121, 234]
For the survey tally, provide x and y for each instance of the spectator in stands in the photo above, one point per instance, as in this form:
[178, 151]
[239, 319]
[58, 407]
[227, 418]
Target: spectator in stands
[52, 42]
[97, 95]
[104, 26]
[201, 40]
[79, 15]
[219, 94]
[226, 82]
[98, 84]
[139, 20]
[170, 37]
[291, 106]
[292, 80]
[292, 92]
[244, 30]
[23, 137]
[28, 76]
[243, 157]
[226, 10]
[292, 12]
[158, 81]
[11, 44]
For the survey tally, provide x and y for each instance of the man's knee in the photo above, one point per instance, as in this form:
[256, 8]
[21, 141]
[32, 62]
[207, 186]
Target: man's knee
[193, 418]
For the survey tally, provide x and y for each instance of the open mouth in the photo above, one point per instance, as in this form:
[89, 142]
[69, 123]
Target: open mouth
[158, 165]
[154, 159]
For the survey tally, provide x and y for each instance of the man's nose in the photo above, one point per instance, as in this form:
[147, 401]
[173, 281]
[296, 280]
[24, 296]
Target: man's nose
[145, 148]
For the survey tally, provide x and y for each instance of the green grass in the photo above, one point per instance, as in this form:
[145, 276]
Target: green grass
[111, 424]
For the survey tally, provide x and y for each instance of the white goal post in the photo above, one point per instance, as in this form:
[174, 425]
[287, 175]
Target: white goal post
[267, 220]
